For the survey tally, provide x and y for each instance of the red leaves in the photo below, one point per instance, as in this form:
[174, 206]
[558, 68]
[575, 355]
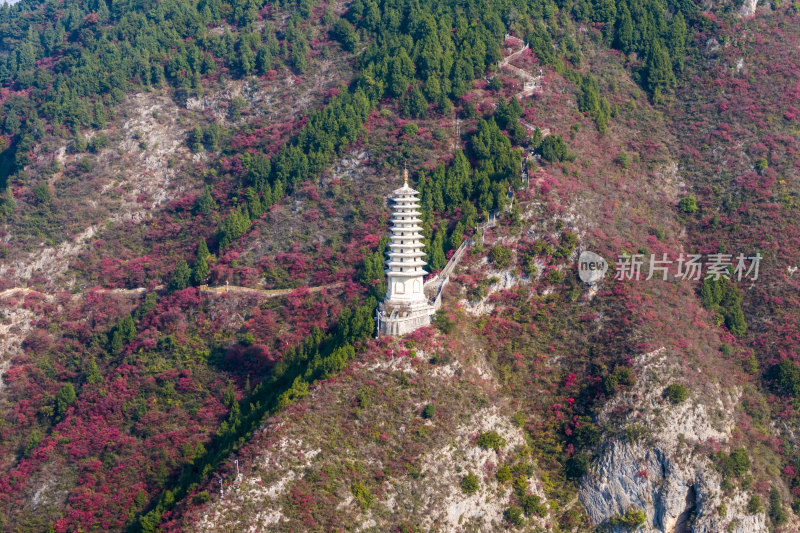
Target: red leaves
[243, 141]
[295, 263]
[256, 358]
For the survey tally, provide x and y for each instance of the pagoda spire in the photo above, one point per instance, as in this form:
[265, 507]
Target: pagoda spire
[406, 306]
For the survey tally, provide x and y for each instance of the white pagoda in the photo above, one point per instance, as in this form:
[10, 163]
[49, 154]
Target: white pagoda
[406, 307]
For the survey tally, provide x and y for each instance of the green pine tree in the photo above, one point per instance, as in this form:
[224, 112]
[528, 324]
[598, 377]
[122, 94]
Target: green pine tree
[457, 236]
[66, 395]
[127, 328]
[624, 36]
[416, 105]
[437, 259]
[116, 342]
[206, 203]
[180, 277]
[678, 34]
[200, 268]
[93, 374]
[658, 71]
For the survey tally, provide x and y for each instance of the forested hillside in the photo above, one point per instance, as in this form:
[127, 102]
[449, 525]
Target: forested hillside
[193, 227]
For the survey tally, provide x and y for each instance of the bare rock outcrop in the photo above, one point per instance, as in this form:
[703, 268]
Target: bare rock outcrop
[659, 463]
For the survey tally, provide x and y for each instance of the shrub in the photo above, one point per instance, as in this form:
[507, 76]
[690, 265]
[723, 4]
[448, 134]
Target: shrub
[787, 377]
[491, 440]
[632, 519]
[532, 505]
[201, 497]
[554, 276]
[520, 486]
[587, 435]
[66, 395]
[737, 463]
[42, 193]
[443, 322]
[754, 506]
[469, 483]
[33, 441]
[553, 148]
[504, 474]
[576, 466]
[676, 393]
[410, 129]
[688, 204]
[363, 495]
[514, 515]
[429, 411]
[636, 432]
[500, 256]
[776, 512]
[751, 364]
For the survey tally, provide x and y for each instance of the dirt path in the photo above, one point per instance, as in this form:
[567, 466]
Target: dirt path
[205, 289]
[268, 293]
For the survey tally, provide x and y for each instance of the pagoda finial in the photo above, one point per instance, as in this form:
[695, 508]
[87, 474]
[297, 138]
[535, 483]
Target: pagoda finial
[405, 176]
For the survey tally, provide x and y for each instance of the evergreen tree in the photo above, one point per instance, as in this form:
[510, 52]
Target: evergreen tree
[416, 106]
[604, 11]
[206, 203]
[195, 140]
[212, 136]
[436, 259]
[658, 71]
[678, 35]
[234, 226]
[263, 60]
[735, 322]
[116, 342]
[624, 37]
[457, 236]
[127, 328]
[247, 60]
[181, 276]
[7, 203]
[93, 374]
[26, 56]
[344, 32]
[401, 73]
[200, 268]
[65, 397]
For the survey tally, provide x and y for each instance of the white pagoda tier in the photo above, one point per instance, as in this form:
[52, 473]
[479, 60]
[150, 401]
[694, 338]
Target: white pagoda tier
[406, 307]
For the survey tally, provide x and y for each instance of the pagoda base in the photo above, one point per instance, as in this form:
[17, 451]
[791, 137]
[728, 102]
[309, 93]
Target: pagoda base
[400, 319]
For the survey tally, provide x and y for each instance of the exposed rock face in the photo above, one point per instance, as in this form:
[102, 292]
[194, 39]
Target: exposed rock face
[661, 469]
[748, 8]
[15, 323]
[440, 501]
[678, 492]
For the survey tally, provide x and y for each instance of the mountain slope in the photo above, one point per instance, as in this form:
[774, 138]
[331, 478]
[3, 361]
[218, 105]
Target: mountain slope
[251, 147]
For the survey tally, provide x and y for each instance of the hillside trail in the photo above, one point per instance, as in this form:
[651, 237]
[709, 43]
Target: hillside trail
[205, 289]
